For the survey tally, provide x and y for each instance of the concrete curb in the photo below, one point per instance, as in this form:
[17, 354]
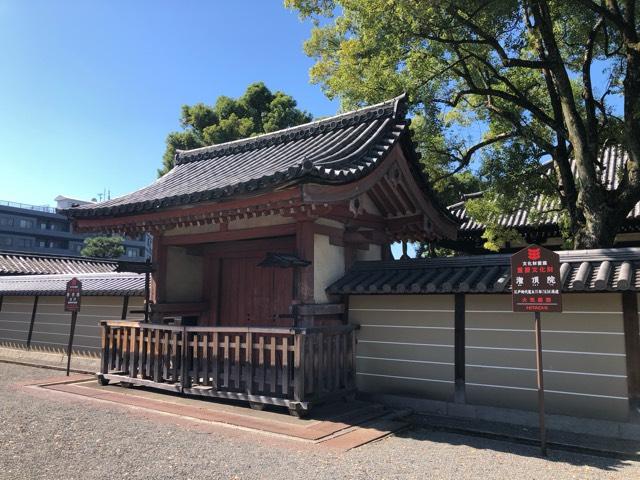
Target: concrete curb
[587, 426]
[53, 361]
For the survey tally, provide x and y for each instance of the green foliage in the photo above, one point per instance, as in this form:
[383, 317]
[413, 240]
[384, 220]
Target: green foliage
[495, 88]
[103, 247]
[258, 110]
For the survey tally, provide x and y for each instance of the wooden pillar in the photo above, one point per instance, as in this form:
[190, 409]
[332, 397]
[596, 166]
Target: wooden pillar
[349, 255]
[159, 275]
[304, 246]
[631, 328]
[33, 319]
[459, 346]
[405, 255]
[386, 251]
[211, 285]
[125, 307]
[1, 298]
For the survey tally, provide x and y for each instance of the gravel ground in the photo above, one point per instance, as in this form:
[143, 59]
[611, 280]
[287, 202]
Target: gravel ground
[64, 438]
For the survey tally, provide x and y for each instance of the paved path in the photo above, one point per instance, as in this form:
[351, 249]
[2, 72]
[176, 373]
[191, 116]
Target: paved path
[47, 435]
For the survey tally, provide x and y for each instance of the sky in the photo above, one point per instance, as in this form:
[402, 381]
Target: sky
[90, 89]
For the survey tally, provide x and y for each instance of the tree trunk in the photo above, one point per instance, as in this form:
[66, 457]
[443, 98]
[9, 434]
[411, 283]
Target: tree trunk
[597, 233]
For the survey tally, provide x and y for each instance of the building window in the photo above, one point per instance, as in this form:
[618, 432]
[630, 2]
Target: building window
[25, 223]
[132, 252]
[24, 242]
[5, 241]
[6, 221]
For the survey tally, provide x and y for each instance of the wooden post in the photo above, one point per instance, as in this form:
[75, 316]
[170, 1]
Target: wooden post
[405, 255]
[158, 277]
[125, 306]
[147, 280]
[74, 317]
[304, 244]
[632, 349]
[104, 358]
[1, 298]
[540, 378]
[249, 363]
[33, 318]
[299, 361]
[184, 369]
[459, 348]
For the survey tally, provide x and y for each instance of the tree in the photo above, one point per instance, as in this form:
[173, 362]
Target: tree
[519, 72]
[103, 247]
[257, 111]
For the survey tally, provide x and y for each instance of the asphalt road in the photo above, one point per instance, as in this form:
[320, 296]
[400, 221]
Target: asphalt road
[53, 436]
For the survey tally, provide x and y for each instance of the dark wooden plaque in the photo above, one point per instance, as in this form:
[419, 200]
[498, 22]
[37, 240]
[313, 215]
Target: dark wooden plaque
[72, 295]
[535, 280]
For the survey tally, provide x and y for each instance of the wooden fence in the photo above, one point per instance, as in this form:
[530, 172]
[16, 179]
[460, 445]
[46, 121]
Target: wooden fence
[293, 367]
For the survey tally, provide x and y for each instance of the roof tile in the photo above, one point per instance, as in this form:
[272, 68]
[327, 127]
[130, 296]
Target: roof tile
[615, 269]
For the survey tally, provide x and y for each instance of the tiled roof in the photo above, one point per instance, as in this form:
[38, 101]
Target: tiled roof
[116, 284]
[15, 263]
[615, 269]
[613, 158]
[334, 150]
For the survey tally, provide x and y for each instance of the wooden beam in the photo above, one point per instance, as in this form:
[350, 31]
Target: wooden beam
[366, 236]
[384, 210]
[231, 235]
[342, 214]
[400, 224]
[459, 346]
[188, 212]
[335, 234]
[632, 348]
[393, 197]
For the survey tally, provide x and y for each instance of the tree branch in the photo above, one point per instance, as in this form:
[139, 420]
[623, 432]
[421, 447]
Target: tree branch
[465, 159]
[493, 42]
[587, 88]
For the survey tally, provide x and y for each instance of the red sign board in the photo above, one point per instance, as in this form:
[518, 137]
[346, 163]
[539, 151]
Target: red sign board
[535, 280]
[72, 296]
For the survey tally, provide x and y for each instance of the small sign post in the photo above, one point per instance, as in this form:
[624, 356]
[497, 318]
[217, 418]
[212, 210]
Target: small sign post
[72, 304]
[535, 287]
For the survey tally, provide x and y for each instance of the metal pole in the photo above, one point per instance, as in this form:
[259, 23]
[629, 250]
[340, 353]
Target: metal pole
[74, 316]
[540, 378]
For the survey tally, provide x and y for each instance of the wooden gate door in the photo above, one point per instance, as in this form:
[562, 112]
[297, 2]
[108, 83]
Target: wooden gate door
[244, 294]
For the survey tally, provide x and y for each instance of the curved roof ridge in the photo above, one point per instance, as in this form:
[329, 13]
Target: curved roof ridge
[394, 108]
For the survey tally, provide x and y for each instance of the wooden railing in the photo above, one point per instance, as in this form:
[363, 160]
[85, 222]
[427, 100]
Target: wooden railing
[286, 366]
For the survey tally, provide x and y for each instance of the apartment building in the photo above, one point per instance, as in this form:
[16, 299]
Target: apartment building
[41, 229]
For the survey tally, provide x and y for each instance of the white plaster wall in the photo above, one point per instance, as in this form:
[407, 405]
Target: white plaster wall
[328, 266]
[374, 253]
[184, 276]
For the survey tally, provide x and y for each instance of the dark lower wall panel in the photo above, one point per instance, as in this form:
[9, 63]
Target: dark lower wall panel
[583, 355]
[52, 324]
[405, 345]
